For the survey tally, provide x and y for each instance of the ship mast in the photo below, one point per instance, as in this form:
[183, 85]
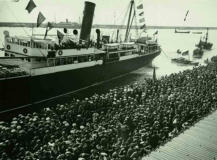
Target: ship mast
[207, 35]
[129, 18]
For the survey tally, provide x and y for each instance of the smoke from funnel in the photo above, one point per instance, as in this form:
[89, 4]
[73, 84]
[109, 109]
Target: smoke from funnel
[87, 21]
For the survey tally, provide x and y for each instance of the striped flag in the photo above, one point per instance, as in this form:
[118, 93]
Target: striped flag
[142, 20]
[31, 5]
[49, 26]
[40, 19]
[141, 14]
[140, 6]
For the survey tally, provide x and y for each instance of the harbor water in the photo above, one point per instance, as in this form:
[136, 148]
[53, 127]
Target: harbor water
[170, 42]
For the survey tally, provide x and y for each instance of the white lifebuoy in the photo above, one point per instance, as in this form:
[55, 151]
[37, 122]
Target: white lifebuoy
[60, 52]
[25, 50]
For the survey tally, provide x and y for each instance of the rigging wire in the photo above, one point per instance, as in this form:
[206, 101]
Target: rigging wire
[168, 57]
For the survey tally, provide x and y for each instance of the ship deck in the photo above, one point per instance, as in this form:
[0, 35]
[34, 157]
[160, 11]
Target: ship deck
[197, 143]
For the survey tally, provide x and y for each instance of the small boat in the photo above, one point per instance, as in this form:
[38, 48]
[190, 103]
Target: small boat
[182, 60]
[179, 51]
[204, 43]
[196, 32]
[198, 53]
[185, 53]
[181, 31]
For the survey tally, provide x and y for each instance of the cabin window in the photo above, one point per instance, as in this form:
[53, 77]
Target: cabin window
[9, 40]
[82, 59]
[38, 59]
[123, 53]
[62, 61]
[57, 61]
[114, 55]
[28, 44]
[69, 60]
[90, 58]
[16, 41]
[51, 62]
[38, 45]
[98, 57]
[75, 59]
[28, 59]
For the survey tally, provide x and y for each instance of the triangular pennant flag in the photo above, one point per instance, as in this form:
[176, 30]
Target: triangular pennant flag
[142, 20]
[143, 26]
[141, 14]
[49, 26]
[60, 36]
[31, 5]
[40, 19]
[155, 32]
[140, 6]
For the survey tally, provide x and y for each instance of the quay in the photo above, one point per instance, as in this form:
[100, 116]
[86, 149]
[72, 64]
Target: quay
[199, 142]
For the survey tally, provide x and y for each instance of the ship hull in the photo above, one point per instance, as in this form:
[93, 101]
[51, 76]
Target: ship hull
[20, 91]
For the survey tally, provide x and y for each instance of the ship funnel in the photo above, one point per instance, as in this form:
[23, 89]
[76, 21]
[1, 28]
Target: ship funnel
[87, 21]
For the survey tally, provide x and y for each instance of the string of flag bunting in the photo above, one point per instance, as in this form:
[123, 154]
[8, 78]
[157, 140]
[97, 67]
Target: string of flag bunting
[41, 18]
[141, 16]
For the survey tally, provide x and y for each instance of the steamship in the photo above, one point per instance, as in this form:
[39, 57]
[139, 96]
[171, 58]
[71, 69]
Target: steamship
[54, 69]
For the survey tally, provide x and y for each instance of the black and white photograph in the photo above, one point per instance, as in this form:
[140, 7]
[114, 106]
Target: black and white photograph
[108, 80]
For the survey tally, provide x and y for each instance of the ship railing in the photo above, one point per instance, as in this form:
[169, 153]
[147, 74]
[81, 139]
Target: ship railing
[13, 77]
[67, 60]
[120, 51]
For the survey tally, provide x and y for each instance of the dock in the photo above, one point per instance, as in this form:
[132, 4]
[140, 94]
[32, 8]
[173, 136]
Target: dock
[199, 142]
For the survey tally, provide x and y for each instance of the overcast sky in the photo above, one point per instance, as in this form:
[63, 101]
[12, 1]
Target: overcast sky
[157, 12]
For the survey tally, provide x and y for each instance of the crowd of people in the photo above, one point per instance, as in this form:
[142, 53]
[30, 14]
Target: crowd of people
[11, 71]
[126, 123]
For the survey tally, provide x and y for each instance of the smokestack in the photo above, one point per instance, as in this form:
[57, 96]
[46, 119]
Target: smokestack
[98, 38]
[87, 21]
[117, 35]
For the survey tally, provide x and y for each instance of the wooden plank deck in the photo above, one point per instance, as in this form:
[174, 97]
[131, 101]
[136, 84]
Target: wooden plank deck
[197, 143]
